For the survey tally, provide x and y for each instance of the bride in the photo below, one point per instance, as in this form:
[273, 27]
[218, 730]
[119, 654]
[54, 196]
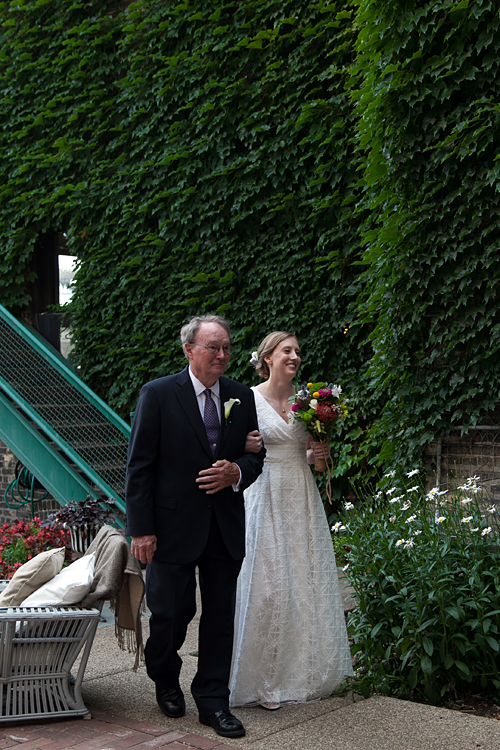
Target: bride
[290, 636]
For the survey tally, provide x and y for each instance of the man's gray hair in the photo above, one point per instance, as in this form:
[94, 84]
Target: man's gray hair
[190, 329]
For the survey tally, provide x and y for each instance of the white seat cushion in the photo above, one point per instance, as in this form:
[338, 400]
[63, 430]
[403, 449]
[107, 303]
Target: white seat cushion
[68, 587]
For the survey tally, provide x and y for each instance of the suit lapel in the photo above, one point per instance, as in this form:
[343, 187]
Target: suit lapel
[188, 401]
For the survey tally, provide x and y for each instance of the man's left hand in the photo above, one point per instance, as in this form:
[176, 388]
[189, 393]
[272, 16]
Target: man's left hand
[221, 474]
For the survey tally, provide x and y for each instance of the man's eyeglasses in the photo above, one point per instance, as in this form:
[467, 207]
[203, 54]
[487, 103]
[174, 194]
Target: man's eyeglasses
[214, 349]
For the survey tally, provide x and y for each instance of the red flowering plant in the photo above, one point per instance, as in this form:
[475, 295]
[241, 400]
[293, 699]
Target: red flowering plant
[318, 406]
[25, 539]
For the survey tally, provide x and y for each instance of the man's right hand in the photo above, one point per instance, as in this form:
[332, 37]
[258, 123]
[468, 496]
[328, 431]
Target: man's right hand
[144, 547]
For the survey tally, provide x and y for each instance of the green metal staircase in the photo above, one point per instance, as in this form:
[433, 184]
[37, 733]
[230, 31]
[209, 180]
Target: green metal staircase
[68, 438]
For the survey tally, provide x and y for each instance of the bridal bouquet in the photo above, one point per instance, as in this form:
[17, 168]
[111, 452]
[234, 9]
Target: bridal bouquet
[318, 406]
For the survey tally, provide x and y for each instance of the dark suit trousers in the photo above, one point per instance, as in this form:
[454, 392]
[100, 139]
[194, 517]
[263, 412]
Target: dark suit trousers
[170, 593]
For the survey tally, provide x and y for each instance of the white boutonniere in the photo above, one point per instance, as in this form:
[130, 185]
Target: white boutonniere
[228, 405]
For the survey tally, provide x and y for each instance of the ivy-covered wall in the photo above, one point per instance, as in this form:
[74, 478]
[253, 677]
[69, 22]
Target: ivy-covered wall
[427, 88]
[325, 167]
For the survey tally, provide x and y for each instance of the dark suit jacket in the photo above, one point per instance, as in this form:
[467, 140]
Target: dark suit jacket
[168, 447]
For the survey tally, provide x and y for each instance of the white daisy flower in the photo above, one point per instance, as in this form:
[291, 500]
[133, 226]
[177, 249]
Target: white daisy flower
[400, 542]
[417, 532]
[465, 501]
[491, 509]
[345, 567]
[348, 506]
[406, 505]
[475, 529]
[337, 526]
[468, 519]
[440, 519]
[410, 519]
[392, 519]
[409, 543]
[390, 474]
[412, 473]
[413, 489]
[378, 495]
[391, 490]
[486, 531]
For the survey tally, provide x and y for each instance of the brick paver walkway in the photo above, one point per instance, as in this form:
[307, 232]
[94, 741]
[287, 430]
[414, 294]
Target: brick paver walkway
[103, 732]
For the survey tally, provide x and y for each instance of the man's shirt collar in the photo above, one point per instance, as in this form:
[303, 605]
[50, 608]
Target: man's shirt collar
[199, 387]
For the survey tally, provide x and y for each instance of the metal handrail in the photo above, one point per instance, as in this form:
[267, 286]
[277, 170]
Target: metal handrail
[61, 365]
[45, 388]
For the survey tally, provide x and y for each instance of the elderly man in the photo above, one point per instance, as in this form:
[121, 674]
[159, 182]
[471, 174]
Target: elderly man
[187, 469]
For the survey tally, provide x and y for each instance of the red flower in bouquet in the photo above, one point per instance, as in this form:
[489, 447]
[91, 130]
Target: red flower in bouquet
[326, 412]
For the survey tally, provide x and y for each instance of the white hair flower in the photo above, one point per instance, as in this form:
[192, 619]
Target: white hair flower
[254, 359]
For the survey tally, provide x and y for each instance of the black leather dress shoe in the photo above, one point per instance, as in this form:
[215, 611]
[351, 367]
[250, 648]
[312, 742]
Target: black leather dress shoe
[224, 723]
[171, 701]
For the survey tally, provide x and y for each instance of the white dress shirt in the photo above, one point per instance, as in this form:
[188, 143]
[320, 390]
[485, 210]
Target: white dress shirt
[199, 390]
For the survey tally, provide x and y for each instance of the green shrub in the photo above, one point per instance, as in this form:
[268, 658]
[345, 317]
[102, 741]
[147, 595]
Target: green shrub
[425, 570]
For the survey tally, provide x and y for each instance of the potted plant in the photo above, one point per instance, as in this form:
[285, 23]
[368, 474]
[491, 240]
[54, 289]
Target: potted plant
[83, 519]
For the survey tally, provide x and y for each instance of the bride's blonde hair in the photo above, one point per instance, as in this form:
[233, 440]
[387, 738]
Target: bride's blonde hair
[267, 347]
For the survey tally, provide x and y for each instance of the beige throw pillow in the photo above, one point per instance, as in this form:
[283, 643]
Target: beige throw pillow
[31, 575]
[68, 587]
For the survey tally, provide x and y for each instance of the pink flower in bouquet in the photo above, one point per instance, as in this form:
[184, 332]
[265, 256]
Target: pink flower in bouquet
[324, 392]
[295, 407]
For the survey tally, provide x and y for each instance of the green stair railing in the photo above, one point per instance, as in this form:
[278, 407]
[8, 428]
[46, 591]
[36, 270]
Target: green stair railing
[71, 440]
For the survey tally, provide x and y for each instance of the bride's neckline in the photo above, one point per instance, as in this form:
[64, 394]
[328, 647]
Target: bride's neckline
[283, 417]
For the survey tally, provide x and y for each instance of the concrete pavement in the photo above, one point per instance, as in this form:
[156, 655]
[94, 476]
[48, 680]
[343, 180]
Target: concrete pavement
[125, 715]
[378, 723]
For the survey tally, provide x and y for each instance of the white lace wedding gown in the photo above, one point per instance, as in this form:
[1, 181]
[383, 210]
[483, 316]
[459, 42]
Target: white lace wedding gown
[290, 636]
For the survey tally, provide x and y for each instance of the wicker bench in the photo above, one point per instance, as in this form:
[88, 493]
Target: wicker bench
[38, 647]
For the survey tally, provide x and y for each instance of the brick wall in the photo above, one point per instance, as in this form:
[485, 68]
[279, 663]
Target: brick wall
[457, 457]
[8, 463]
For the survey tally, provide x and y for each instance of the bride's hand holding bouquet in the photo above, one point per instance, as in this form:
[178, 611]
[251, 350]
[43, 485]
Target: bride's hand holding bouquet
[318, 406]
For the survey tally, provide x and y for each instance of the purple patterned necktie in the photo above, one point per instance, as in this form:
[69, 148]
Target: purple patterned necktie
[211, 419]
